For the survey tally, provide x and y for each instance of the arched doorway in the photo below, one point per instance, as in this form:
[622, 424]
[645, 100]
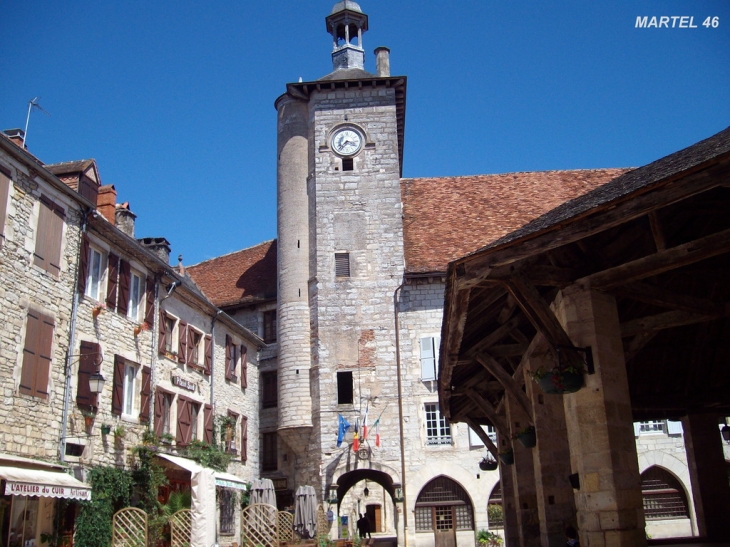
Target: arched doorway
[444, 508]
[369, 492]
[665, 504]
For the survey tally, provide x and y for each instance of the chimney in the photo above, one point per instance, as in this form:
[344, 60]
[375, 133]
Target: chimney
[125, 218]
[17, 136]
[382, 62]
[106, 202]
[159, 246]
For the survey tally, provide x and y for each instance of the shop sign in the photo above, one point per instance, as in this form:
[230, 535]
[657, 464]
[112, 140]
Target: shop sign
[179, 381]
[45, 490]
[279, 484]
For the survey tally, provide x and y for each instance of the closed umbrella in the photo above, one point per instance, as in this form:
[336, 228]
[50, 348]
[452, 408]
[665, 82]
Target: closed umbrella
[305, 512]
[262, 491]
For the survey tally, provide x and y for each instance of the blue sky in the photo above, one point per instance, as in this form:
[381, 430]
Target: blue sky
[175, 99]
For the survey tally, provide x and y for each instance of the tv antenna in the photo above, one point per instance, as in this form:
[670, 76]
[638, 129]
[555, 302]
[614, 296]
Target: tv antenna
[31, 104]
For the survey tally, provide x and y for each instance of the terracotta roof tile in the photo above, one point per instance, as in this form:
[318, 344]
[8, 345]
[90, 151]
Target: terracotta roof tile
[447, 217]
[242, 277]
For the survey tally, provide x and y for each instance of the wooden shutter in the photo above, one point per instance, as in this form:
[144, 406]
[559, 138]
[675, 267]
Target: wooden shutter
[208, 418]
[87, 366]
[208, 348]
[145, 392]
[244, 438]
[183, 421]
[191, 347]
[125, 278]
[244, 366]
[37, 354]
[182, 341]
[159, 412]
[162, 332]
[149, 315]
[118, 385]
[4, 193]
[83, 264]
[112, 282]
[55, 239]
[229, 357]
[42, 233]
[428, 359]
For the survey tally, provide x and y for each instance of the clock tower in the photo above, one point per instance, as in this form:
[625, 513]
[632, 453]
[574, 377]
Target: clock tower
[340, 260]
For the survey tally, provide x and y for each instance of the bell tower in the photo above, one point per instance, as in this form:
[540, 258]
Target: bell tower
[347, 23]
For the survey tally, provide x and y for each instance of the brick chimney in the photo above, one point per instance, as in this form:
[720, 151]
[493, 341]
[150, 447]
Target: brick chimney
[106, 202]
[157, 245]
[125, 218]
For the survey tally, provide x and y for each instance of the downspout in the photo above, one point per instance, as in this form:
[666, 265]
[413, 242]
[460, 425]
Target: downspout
[71, 343]
[153, 355]
[400, 415]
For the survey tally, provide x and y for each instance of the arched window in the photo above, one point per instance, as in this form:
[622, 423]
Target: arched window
[443, 505]
[495, 513]
[664, 496]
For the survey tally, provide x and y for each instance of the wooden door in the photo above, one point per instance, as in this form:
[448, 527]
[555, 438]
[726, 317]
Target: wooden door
[374, 514]
[444, 526]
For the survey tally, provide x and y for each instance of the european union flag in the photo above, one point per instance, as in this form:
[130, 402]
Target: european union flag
[342, 427]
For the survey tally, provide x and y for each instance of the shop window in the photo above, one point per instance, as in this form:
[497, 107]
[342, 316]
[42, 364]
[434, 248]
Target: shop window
[438, 430]
[269, 460]
[226, 501]
[269, 395]
[37, 354]
[270, 326]
[23, 522]
[49, 233]
[344, 388]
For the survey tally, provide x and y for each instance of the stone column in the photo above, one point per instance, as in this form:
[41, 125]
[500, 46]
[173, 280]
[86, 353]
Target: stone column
[555, 499]
[523, 478]
[708, 475]
[599, 423]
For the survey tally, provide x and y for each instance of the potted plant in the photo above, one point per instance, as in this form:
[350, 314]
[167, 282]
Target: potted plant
[141, 327]
[167, 438]
[488, 464]
[559, 380]
[106, 429]
[119, 433]
[507, 456]
[526, 436]
[89, 417]
[96, 310]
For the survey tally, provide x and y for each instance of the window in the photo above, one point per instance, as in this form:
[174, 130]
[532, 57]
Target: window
[166, 338]
[196, 351]
[163, 405]
[344, 388]
[429, 360]
[655, 426]
[37, 354]
[187, 420]
[231, 359]
[130, 380]
[664, 496]
[443, 505]
[347, 164]
[342, 264]
[475, 441]
[438, 430]
[4, 192]
[194, 412]
[89, 359]
[269, 460]
[270, 326]
[93, 281]
[47, 254]
[136, 296]
[227, 510]
[230, 432]
[270, 395]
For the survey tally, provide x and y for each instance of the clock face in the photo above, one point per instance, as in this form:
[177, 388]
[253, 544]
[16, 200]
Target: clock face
[347, 142]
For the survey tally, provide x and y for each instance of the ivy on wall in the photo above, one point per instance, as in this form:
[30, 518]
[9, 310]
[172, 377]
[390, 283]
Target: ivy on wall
[111, 488]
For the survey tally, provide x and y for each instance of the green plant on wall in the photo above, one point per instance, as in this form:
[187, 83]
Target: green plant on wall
[111, 489]
[207, 455]
[148, 476]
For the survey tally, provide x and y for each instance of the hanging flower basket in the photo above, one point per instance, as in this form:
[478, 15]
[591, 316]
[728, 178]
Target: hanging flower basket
[558, 381]
[488, 464]
[507, 457]
[527, 437]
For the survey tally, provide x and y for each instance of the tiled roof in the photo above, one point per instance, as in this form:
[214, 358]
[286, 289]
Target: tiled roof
[69, 166]
[447, 217]
[241, 277]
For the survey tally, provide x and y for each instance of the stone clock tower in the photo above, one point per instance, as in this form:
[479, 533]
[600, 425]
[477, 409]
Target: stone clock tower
[340, 259]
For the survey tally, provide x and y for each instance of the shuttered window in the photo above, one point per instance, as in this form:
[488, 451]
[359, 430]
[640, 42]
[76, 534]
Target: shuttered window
[136, 296]
[429, 361]
[342, 264]
[125, 273]
[244, 366]
[230, 360]
[4, 193]
[230, 433]
[182, 341]
[208, 420]
[90, 356]
[244, 438]
[37, 354]
[130, 388]
[270, 326]
[208, 349]
[163, 404]
[184, 421]
[49, 233]
[145, 395]
[269, 459]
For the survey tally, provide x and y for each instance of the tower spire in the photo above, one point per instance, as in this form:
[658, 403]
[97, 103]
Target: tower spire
[347, 23]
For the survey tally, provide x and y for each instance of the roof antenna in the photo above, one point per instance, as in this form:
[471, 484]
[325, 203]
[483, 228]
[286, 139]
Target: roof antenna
[32, 103]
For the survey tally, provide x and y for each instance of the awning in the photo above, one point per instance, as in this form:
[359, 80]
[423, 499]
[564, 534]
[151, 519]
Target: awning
[183, 463]
[229, 481]
[42, 483]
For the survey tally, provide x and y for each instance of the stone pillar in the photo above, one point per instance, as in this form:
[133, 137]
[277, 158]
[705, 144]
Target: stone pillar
[555, 499]
[523, 478]
[511, 533]
[708, 475]
[600, 429]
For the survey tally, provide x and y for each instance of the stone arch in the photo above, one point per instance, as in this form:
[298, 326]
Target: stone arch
[345, 476]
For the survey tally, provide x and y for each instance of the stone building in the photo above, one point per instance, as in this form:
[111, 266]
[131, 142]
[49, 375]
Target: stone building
[85, 297]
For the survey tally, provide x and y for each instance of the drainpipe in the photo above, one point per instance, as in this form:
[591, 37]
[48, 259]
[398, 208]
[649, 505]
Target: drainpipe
[153, 351]
[212, 359]
[71, 343]
[400, 415]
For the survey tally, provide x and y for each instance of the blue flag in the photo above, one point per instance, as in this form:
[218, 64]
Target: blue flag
[342, 427]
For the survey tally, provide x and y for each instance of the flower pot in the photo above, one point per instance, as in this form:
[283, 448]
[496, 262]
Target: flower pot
[95, 312]
[528, 438]
[488, 465]
[559, 382]
[106, 429]
[507, 458]
[137, 330]
[88, 421]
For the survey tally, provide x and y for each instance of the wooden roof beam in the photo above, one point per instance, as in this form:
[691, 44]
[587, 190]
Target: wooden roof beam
[483, 436]
[509, 384]
[663, 298]
[489, 411]
[668, 320]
